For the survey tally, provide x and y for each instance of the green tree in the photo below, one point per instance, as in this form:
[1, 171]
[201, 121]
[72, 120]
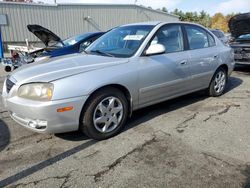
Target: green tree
[204, 19]
[164, 9]
[179, 13]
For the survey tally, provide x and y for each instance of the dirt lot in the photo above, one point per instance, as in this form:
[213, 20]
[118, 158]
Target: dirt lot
[192, 141]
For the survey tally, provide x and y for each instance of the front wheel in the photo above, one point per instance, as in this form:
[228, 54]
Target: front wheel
[218, 83]
[105, 114]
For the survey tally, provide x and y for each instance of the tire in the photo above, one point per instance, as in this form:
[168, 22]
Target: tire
[8, 69]
[98, 119]
[215, 89]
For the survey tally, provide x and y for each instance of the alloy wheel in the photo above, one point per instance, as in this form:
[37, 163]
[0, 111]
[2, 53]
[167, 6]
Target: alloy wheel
[108, 114]
[219, 82]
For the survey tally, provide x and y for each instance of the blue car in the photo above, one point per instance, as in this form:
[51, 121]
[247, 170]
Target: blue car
[57, 47]
[54, 46]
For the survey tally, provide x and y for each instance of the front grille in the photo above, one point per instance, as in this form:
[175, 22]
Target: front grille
[242, 54]
[9, 85]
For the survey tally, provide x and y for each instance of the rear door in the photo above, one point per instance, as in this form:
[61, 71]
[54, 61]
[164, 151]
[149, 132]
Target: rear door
[165, 75]
[203, 55]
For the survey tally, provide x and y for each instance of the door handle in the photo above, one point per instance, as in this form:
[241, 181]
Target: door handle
[216, 56]
[184, 62]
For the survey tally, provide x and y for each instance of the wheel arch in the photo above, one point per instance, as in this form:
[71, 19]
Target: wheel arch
[120, 87]
[224, 66]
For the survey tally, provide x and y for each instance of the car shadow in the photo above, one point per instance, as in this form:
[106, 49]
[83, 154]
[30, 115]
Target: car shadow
[4, 135]
[148, 113]
[233, 82]
[72, 136]
[242, 69]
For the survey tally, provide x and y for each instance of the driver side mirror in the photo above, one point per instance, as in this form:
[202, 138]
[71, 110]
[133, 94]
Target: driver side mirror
[154, 49]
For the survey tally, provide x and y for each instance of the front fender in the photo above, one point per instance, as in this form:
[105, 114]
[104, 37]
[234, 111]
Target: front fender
[85, 84]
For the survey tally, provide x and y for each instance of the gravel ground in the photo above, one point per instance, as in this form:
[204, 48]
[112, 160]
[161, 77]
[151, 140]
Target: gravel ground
[192, 141]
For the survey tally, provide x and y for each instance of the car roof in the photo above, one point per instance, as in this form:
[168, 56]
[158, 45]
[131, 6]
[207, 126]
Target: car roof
[154, 23]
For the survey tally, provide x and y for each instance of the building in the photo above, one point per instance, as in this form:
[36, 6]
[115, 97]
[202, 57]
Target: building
[70, 19]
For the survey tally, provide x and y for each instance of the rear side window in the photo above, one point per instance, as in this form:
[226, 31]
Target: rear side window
[216, 33]
[211, 40]
[197, 37]
[170, 36]
[221, 34]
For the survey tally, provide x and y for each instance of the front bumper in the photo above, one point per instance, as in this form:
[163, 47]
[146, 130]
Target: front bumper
[242, 62]
[25, 112]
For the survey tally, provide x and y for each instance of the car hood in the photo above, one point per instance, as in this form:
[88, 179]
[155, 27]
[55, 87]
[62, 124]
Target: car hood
[61, 67]
[45, 35]
[239, 25]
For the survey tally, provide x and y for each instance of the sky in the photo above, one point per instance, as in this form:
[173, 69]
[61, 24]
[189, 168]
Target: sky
[210, 6]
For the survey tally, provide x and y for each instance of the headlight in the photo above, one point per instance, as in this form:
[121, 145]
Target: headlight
[36, 91]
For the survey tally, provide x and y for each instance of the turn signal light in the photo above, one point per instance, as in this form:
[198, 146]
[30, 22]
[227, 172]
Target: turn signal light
[65, 109]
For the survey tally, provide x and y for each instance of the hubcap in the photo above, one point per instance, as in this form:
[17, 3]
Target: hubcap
[108, 114]
[220, 82]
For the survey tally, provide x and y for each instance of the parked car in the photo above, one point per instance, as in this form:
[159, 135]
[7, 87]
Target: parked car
[128, 68]
[54, 46]
[239, 26]
[221, 35]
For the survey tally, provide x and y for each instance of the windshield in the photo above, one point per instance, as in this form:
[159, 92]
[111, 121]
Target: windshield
[70, 41]
[244, 37]
[73, 40]
[121, 42]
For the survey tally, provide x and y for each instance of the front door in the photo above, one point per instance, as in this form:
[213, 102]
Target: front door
[165, 75]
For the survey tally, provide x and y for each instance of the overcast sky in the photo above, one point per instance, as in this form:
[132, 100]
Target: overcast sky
[211, 6]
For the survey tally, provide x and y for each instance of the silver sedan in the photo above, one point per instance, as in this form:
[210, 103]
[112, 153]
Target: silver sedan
[128, 68]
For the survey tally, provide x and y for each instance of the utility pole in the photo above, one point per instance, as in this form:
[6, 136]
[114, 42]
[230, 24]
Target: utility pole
[55, 1]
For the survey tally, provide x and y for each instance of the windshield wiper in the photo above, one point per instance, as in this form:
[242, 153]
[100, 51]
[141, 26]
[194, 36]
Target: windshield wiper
[84, 51]
[102, 53]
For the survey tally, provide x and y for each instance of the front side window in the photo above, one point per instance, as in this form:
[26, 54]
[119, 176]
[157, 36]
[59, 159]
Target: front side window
[197, 37]
[121, 42]
[170, 36]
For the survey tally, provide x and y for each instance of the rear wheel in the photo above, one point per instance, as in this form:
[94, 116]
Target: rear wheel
[218, 83]
[105, 114]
